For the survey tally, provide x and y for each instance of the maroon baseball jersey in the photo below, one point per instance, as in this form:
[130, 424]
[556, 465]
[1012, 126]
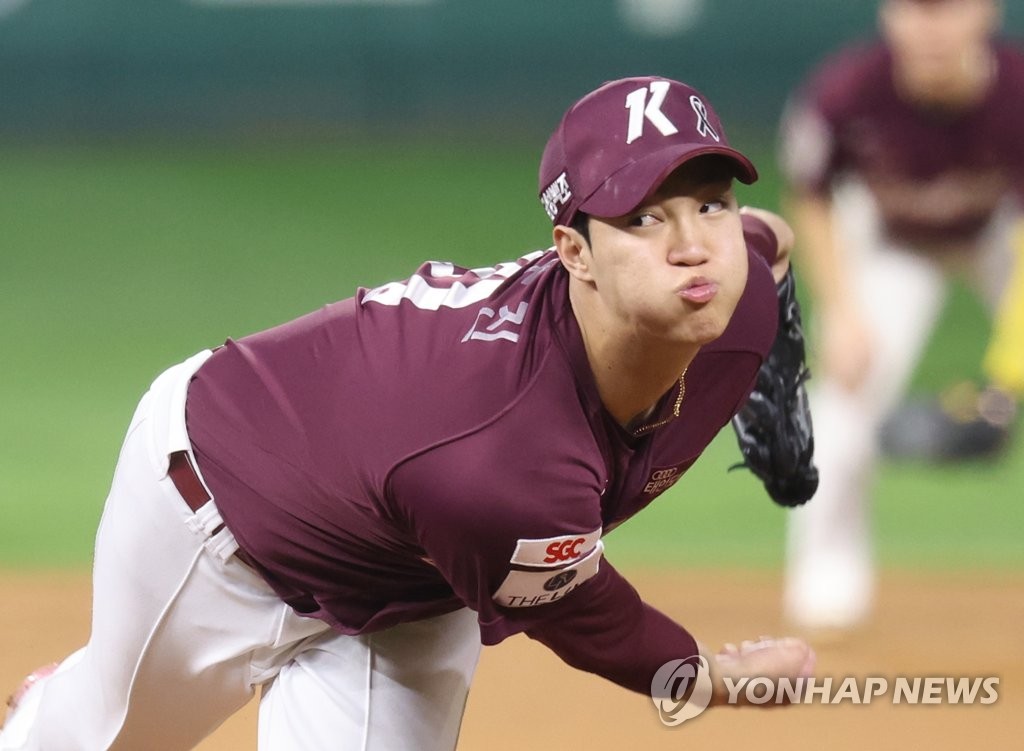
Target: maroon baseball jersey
[439, 442]
[937, 174]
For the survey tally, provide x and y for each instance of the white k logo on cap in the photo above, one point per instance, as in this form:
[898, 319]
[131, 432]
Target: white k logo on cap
[638, 112]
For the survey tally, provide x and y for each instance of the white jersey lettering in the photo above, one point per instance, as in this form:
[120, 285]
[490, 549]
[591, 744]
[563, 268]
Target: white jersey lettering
[503, 316]
[444, 285]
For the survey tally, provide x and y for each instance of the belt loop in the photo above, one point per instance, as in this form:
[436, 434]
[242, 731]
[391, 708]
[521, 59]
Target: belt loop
[206, 517]
[222, 544]
[207, 520]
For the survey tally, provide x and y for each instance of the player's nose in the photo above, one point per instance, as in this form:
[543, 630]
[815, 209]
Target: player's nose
[687, 244]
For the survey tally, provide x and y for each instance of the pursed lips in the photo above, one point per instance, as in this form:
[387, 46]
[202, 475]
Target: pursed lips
[698, 290]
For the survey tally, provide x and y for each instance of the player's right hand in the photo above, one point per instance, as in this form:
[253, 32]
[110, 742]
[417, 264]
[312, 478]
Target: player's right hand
[767, 657]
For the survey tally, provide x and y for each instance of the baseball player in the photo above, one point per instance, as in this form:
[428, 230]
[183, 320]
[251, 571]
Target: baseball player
[341, 509]
[905, 165]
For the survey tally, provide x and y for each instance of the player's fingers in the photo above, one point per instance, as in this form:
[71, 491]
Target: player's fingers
[788, 657]
[769, 658]
[729, 649]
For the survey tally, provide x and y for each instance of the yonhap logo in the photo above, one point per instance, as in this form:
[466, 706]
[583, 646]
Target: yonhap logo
[681, 690]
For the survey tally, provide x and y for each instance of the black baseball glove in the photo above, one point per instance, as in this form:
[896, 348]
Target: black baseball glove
[774, 427]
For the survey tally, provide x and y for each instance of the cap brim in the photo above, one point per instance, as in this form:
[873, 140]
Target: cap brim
[627, 188]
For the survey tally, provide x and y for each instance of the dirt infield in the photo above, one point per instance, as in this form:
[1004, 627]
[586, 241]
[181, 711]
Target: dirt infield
[524, 698]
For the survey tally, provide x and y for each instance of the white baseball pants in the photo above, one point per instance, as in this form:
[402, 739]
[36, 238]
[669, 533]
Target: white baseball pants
[183, 633]
[829, 568]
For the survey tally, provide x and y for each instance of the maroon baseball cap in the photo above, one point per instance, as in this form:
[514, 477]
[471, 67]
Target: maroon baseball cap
[617, 144]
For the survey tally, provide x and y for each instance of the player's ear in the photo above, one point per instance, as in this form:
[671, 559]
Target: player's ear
[573, 251]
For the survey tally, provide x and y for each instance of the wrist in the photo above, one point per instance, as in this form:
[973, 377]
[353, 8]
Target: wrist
[719, 694]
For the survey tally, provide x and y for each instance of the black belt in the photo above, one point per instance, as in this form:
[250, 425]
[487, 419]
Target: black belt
[192, 490]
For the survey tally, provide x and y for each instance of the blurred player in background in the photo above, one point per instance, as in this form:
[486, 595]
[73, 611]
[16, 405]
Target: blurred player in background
[905, 166]
[341, 508]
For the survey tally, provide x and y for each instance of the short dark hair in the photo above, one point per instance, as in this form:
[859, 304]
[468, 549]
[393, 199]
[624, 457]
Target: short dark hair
[581, 223]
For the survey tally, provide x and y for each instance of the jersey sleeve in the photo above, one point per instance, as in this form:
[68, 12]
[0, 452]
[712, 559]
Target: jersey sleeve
[760, 238]
[609, 631]
[531, 561]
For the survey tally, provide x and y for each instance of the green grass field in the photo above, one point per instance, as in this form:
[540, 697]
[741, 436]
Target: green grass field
[119, 261]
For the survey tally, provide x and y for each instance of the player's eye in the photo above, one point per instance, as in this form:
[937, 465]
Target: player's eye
[713, 207]
[719, 201]
[643, 219]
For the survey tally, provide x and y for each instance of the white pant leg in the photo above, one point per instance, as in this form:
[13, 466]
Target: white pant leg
[829, 569]
[181, 631]
[403, 688]
[994, 265]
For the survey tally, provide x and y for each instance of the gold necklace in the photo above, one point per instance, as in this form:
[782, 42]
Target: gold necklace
[675, 409]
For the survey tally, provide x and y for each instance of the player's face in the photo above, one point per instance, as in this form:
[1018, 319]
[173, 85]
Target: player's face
[934, 41]
[675, 268]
